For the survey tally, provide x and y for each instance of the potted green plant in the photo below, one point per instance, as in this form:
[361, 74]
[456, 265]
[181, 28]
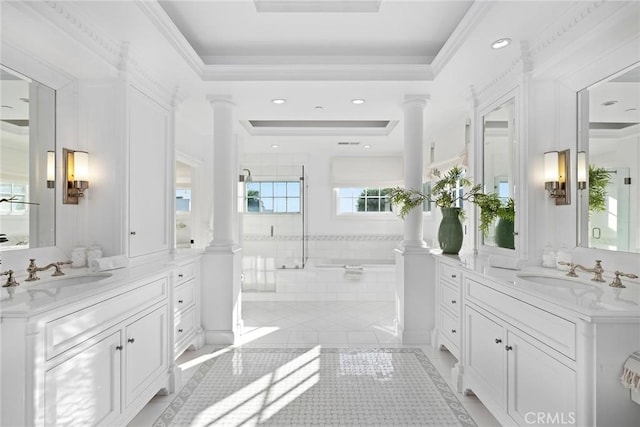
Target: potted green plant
[445, 193]
[599, 179]
[492, 208]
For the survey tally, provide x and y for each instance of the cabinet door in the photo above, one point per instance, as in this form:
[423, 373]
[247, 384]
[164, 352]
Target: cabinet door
[541, 389]
[148, 184]
[146, 352]
[486, 355]
[85, 389]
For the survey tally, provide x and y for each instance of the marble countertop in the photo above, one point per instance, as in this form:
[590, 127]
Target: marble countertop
[50, 293]
[543, 286]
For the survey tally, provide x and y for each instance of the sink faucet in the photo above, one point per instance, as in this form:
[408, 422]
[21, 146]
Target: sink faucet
[617, 283]
[597, 270]
[11, 281]
[32, 269]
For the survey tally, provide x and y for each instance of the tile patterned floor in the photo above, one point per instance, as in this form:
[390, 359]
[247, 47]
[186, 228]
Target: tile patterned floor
[315, 325]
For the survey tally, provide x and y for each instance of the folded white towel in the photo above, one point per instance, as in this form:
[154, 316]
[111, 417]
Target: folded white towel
[108, 263]
[504, 262]
[631, 374]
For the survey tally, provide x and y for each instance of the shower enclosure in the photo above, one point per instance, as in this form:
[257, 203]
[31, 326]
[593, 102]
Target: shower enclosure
[274, 226]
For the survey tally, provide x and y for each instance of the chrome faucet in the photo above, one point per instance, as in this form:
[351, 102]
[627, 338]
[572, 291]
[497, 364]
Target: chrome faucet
[597, 270]
[32, 269]
[617, 283]
[11, 281]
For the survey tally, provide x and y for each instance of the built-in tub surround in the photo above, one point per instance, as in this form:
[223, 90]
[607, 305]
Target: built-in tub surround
[537, 329]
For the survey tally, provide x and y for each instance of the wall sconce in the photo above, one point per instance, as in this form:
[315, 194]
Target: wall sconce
[556, 176]
[582, 170]
[51, 169]
[75, 169]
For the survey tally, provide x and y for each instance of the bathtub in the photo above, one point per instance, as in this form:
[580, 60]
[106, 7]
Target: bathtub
[346, 279]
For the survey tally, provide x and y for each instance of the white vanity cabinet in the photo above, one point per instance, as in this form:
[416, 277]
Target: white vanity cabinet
[448, 332]
[94, 361]
[186, 308]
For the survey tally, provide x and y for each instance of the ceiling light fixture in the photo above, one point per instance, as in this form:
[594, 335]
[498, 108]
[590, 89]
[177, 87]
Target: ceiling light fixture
[318, 107]
[631, 109]
[500, 43]
[367, 146]
[609, 103]
[279, 101]
[275, 146]
[8, 106]
[357, 101]
[24, 100]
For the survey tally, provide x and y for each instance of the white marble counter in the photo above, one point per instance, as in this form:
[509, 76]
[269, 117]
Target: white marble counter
[580, 295]
[33, 298]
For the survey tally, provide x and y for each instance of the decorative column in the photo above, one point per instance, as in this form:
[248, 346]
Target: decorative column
[222, 260]
[415, 268]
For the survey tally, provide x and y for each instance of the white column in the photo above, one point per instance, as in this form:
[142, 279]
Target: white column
[224, 167]
[415, 280]
[413, 109]
[222, 260]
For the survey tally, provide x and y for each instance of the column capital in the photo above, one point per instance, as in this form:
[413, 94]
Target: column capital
[220, 99]
[415, 100]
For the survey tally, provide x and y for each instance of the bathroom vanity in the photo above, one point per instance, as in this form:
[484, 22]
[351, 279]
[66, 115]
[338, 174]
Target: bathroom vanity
[535, 346]
[94, 348]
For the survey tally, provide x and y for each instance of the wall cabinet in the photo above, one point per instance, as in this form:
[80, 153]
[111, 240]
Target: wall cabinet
[92, 362]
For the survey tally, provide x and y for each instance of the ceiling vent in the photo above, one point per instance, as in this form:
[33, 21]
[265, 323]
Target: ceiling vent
[348, 143]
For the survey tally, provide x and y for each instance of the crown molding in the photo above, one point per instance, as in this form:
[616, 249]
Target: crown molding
[318, 131]
[469, 22]
[168, 29]
[373, 72]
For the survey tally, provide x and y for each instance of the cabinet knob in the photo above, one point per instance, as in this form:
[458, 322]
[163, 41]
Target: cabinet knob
[453, 331]
[181, 275]
[180, 301]
[119, 347]
[131, 340]
[508, 347]
[180, 330]
[133, 233]
[498, 340]
[453, 301]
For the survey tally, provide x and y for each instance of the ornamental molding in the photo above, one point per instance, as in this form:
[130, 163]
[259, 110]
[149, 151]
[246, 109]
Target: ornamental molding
[325, 238]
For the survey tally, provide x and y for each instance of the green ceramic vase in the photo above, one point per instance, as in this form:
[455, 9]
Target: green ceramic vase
[504, 234]
[450, 231]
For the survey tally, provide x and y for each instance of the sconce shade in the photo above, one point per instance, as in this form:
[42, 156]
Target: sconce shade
[551, 173]
[582, 170]
[75, 170]
[51, 169]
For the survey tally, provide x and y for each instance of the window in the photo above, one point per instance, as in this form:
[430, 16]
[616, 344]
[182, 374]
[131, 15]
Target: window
[426, 190]
[20, 192]
[354, 199]
[183, 200]
[273, 197]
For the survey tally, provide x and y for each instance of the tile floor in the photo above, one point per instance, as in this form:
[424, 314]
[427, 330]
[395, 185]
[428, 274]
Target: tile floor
[328, 324]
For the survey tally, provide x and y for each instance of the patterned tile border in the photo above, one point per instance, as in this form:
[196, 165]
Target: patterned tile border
[325, 238]
[447, 394]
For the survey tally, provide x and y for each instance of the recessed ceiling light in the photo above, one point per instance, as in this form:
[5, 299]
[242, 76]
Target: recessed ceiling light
[318, 107]
[631, 109]
[24, 100]
[609, 103]
[279, 101]
[8, 106]
[500, 43]
[367, 146]
[274, 146]
[357, 101]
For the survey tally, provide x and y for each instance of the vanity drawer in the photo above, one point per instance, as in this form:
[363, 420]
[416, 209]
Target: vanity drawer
[450, 274]
[183, 273]
[184, 324]
[65, 332]
[184, 296]
[450, 298]
[554, 331]
[450, 328]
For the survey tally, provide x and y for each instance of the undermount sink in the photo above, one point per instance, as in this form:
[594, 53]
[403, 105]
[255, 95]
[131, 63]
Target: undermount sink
[551, 280]
[63, 282]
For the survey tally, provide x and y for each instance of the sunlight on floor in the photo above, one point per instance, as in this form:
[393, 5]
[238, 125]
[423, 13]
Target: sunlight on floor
[266, 396]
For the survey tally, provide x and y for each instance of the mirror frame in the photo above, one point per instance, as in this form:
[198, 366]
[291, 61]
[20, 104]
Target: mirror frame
[519, 193]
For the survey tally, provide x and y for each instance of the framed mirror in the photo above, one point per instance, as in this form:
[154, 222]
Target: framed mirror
[497, 216]
[27, 157]
[608, 162]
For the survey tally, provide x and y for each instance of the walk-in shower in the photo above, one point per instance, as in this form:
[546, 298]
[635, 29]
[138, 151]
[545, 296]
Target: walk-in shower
[274, 223]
